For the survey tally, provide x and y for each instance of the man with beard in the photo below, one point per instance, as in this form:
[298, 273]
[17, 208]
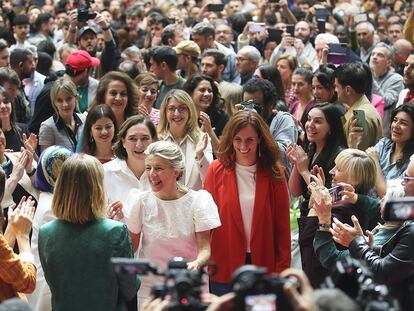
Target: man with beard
[407, 95]
[45, 25]
[87, 40]
[22, 61]
[299, 46]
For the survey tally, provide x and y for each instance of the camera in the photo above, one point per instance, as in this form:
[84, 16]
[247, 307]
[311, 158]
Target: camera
[83, 12]
[182, 285]
[251, 104]
[255, 290]
[334, 193]
[355, 279]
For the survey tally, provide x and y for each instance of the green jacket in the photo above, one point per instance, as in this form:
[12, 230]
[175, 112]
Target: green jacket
[76, 262]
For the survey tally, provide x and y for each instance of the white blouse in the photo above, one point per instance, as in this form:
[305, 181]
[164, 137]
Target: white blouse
[168, 227]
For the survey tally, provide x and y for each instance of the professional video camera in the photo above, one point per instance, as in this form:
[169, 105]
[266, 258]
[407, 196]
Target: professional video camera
[255, 290]
[182, 285]
[355, 279]
[83, 11]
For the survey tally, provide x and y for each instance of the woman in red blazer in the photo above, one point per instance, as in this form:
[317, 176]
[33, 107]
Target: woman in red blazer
[250, 190]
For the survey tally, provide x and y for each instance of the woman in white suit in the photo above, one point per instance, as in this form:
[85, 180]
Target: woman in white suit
[178, 124]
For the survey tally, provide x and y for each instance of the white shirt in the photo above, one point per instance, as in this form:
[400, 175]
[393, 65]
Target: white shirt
[246, 185]
[119, 180]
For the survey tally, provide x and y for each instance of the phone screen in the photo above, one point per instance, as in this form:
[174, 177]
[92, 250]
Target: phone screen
[290, 29]
[260, 302]
[399, 209]
[334, 193]
[215, 7]
[275, 35]
[337, 53]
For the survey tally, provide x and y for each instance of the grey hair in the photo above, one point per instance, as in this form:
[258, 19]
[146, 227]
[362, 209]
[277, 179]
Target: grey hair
[204, 29]
[391, 51]
[327, 37]
[370, 27]
[254, 53]
[168, 151]
[66, 48]
[3, 44]
[132, 51]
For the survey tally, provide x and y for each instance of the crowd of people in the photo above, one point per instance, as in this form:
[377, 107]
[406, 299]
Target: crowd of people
[239, 132]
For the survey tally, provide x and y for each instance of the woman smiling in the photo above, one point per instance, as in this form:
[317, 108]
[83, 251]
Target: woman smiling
[178, 124]
[65, 126]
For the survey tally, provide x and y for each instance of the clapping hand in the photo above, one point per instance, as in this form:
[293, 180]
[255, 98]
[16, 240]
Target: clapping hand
[20, 218]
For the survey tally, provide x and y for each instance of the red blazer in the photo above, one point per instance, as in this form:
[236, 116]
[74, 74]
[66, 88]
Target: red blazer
[270, 234]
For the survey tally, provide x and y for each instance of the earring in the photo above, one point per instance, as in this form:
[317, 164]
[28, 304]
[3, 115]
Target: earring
[92, 140]
[260, 152]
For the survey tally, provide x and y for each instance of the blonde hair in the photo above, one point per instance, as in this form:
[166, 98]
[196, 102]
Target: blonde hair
[360, 167]
[62, 84]
[79, 195]
[232, 94]
[168, 151]
[191, 127]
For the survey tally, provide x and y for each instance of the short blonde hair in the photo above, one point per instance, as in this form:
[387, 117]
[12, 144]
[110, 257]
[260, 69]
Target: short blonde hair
[62, 84]
[360, 167]
[191, 126]
[168, 151]
[79, 195]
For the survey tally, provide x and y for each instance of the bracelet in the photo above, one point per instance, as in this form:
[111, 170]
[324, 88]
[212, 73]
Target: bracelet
[324, 227]
[31, 173]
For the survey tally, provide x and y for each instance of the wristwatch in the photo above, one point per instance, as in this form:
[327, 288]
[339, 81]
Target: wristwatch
[324, 227]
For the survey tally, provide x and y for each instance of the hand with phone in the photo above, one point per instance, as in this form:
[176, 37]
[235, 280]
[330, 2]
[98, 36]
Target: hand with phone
[357, 129]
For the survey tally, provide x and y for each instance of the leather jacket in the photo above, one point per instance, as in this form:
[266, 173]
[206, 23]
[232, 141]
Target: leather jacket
[392, 263]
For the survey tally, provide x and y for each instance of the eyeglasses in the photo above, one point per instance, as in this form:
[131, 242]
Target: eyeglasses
[152, 91]
[181, 109]
[240, 59]
[407, 178]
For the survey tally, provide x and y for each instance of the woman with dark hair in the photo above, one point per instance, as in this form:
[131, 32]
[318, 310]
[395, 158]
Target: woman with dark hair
[99, 133]
[126, 171]
[302, 88]
[272, 74]
[11, 130]
[207, 100]
[118, 91]
[248, 185]
[323, 84]
[392, 156]
[324, 139]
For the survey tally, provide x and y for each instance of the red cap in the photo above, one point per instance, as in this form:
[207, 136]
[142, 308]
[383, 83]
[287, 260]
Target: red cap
[81, 60]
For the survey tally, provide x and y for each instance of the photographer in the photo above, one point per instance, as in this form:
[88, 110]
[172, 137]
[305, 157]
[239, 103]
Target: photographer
[110, 56]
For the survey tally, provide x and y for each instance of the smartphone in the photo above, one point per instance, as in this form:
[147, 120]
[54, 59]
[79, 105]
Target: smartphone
[257, 27]
[275, 35]
[322, 13]
[399, 209]
[213, 7]
[361, 17]
[266, 302]
[360, 116]
[334, 193]
[337, 53]
[290, 29]
[321, 25]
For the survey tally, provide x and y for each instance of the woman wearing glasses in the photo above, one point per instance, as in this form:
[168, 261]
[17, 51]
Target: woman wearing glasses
[393, 155]
[178, 124]
[148, 88]
[99, 133]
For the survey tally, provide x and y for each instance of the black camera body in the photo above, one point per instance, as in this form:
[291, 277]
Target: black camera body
[253, 286]
[182, 285]
[355, 279]
[83, 12]
[251, 104]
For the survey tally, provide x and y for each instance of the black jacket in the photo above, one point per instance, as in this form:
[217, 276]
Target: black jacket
[43, 106]
[393, 263]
